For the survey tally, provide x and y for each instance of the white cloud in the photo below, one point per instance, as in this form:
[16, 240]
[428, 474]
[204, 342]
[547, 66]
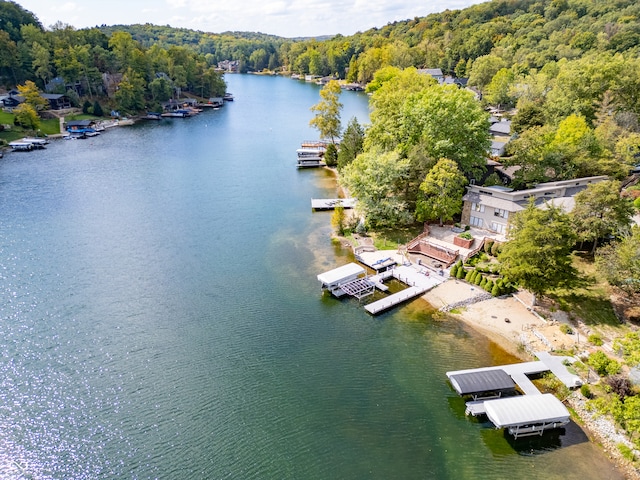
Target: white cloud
[286, 18]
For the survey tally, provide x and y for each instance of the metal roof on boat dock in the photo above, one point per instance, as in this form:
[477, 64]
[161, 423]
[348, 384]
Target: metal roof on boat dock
[526, 410]
[341, 274]
[480, 382]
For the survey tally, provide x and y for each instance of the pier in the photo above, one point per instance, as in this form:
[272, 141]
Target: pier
[331, 203]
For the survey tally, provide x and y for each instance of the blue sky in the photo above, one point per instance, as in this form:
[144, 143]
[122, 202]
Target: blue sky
[286, 18]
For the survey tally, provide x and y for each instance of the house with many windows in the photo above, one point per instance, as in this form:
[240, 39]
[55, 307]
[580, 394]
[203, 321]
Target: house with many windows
[490, 208]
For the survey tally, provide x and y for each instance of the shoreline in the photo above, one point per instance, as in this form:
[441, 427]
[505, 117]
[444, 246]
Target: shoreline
[524, 333]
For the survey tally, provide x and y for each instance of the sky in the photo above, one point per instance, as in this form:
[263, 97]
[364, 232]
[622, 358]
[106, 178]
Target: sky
[285, 18]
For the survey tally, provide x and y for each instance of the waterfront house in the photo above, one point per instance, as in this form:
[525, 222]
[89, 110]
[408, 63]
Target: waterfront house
[490, 208]
[55, 101]
[434, 72]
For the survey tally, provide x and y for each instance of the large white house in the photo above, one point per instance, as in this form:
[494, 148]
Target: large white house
[490, 208]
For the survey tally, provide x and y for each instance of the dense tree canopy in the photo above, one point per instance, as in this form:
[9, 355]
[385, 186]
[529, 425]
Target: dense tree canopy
[601, 211]
[619, 262]
[441, 192]
[538, 253]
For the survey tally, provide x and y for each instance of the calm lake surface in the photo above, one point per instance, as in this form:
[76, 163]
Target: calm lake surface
[161, 318]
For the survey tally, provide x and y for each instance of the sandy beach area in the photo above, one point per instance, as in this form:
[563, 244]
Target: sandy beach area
[508, 321]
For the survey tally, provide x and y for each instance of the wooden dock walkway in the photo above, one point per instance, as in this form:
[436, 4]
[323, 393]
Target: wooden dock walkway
[418, 283]
[331, 203]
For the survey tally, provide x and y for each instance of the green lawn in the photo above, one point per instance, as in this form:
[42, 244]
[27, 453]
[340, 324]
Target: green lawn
[48, 127]
[590, 301]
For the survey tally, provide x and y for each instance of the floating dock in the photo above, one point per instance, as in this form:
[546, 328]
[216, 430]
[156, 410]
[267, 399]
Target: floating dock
[331, 203]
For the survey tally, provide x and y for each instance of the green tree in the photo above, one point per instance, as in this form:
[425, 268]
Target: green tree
[619, 262]
[41, 62]
[331, 155]
[97, 109]
[484, 69]
[327, 118]
[441, 192]
[351, 144]
[538, 253]
[448, 123]
[498, 90]
[32, 96]
[130, 93]
[338, 219]
[377, 180]
[600, 211]
[27, 116]
[161, 89]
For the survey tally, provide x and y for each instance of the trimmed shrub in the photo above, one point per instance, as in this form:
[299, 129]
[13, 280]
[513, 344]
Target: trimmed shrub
[489, 286]
[586, 391]
[454, 271]
[495, 249]
[461, 273]
[487, 246]
[495, 291]
[602, 364]
[469, 276]
[478, 279]
[566, 329]
[595, 339]
[483, 282]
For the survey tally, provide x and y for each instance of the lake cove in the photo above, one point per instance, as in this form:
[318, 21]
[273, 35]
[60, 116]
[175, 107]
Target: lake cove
[161, 318]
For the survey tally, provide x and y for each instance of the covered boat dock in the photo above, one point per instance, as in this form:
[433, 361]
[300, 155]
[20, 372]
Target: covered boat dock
[335, 279]
[527, 415]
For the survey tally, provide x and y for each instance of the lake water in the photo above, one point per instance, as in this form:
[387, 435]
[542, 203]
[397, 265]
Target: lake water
[161, 318]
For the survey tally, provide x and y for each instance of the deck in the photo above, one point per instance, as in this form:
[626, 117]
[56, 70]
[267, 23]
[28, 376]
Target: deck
[418, 282]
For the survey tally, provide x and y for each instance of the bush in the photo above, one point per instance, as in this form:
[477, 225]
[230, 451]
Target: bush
[483, 282]
[454, 271]
[626, 452]
[461, 273]
[586, 391]
[602, 364]
[566, 329]
[469, 276]
[466, 236]
[495, 249]
[595, 339]
[86, 107]
[478, 278]
[495, 291]
[619, 385]
[487, 246]
[489, 286]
